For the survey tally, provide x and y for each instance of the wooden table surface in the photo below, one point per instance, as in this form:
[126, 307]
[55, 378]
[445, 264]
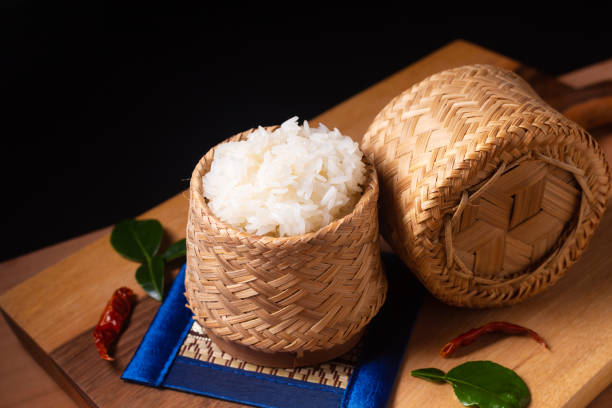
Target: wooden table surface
[23, 383]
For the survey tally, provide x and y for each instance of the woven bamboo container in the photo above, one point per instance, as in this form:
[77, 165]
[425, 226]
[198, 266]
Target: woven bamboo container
[487, 193]
[287, 301]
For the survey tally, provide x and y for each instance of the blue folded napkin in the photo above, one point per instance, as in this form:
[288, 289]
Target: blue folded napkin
[176, 353]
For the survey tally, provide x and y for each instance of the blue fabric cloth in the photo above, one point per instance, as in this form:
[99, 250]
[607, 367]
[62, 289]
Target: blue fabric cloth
[248, 387]
[156, 363]
[372, 382]
[163, 339]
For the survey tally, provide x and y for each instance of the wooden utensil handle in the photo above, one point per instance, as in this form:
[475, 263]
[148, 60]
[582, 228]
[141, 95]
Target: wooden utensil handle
[584, 97]
[593, 110]
[591, 106]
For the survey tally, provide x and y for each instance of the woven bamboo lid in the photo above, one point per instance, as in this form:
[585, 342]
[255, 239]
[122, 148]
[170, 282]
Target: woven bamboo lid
[487, 193]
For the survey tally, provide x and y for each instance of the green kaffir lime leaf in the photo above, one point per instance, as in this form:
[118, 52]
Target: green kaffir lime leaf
[137, 240]
[482, 383]
[431, 374]
[174, 251]
[150, 275]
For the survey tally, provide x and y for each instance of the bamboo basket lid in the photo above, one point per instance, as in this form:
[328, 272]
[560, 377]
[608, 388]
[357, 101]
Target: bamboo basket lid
[487, 192]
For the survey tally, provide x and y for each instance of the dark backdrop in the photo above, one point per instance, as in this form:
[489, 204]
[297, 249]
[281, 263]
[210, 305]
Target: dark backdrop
[108, 109]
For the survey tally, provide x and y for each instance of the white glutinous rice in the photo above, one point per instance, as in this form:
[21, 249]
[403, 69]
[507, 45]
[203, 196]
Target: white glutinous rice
[291, 181]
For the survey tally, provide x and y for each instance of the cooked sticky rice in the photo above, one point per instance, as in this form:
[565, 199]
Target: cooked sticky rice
[290, 181]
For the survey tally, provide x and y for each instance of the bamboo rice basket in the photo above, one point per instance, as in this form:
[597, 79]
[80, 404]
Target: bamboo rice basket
[287, 301]
[487, 193]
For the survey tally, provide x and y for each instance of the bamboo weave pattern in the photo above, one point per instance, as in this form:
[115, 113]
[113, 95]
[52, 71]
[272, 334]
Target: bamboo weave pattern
[487, 193]
[289, 294]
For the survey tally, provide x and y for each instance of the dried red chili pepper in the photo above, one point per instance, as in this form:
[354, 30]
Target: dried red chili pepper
[111, 322]
[493, 327]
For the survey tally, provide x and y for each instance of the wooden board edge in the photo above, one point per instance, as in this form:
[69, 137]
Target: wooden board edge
[592, 389]
[49, 365]
[460, 42]
[10, 300]
[19, 269]
[453, 46]
[582, 400]
[601, 71]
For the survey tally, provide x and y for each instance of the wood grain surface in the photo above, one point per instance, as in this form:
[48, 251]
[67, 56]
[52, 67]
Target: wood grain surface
[59, 306]
[18, 370]
[573, 316]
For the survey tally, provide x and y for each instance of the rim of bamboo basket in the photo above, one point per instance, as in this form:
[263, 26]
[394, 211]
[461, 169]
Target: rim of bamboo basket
[568, 247]
[586, 203]
[203, 167]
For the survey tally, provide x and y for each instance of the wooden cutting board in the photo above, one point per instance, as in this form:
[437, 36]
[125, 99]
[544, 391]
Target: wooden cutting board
[55, 311]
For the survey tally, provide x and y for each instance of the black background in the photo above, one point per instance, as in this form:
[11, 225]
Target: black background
[108, 109]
